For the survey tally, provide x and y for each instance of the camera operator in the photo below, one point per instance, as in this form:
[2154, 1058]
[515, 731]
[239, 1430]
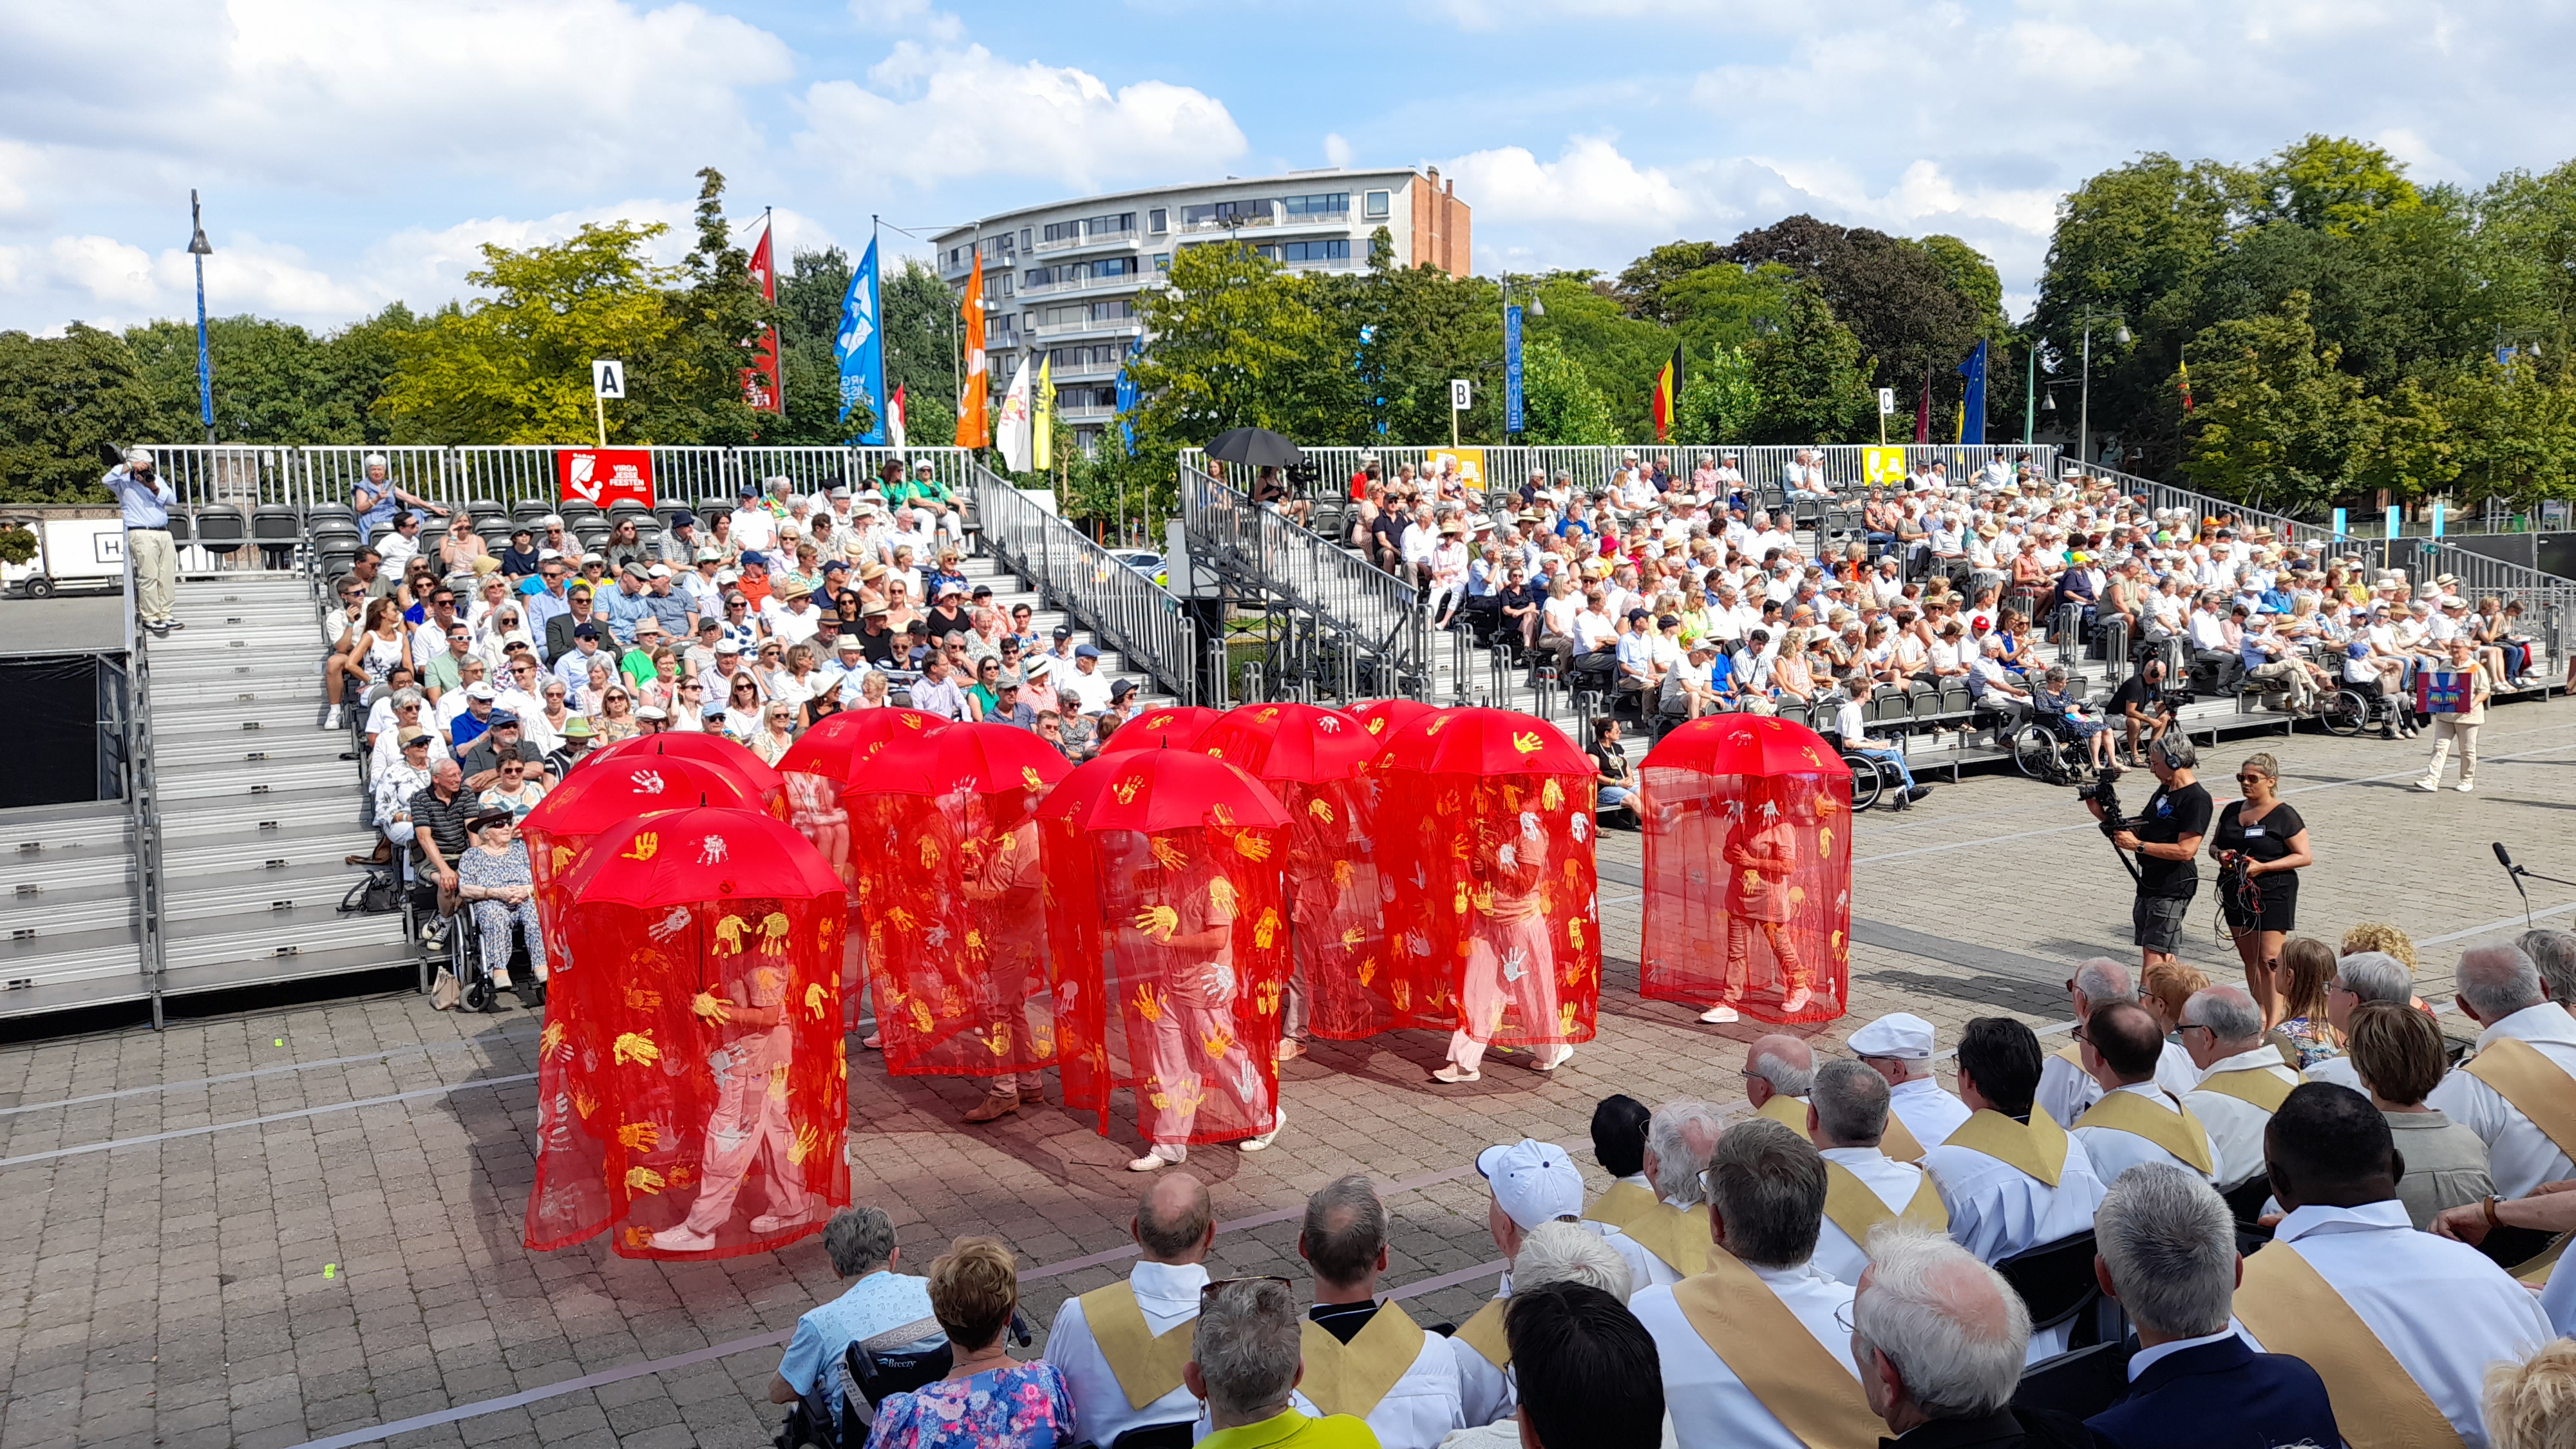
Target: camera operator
[2166, 838]
[145, 499]
[2140, 704]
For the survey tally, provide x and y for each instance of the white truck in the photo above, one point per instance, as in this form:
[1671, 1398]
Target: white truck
[71, 553]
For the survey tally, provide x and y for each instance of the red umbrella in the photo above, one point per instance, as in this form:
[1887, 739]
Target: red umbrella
[605, 793]
[1155, 790]
[1179, 727]
[1304, 743]
[1746, 744]
[1483, 742]
[697, 745]
[842, 743]
[700, 854]
[983, 758]
[1383, 717]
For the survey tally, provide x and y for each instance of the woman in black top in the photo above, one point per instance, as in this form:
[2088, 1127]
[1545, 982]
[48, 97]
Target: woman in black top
[1612, 775]
[2260, 845]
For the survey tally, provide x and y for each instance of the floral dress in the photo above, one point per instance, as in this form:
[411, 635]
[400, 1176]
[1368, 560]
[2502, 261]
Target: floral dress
[1025, 1406]
[508, 866]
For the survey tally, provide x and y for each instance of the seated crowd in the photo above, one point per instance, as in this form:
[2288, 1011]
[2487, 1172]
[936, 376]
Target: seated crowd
[2298, 1237]
[1682, 590]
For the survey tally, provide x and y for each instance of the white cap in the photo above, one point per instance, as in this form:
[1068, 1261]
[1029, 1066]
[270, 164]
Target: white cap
[1533, 1181]
[1901, 1036]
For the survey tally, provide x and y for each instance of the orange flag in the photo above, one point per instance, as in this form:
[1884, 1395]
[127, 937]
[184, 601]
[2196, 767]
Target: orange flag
[974, 418]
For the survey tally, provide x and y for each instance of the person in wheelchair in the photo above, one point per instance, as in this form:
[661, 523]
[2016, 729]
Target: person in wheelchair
[493, 881]
[2054, 710]
[881, 1312]
[1851, 734]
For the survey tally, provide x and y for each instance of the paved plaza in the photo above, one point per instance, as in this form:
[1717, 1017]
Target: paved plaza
[302, 1227]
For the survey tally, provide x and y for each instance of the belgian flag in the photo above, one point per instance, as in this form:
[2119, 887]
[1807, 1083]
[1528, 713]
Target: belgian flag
[1668, 397]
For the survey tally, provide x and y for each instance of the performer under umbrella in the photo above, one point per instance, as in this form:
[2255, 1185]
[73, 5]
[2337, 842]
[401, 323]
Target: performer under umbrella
[818, 770]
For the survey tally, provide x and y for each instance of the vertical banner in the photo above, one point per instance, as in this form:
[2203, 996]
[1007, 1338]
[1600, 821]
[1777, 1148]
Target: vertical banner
[2437, 520]
[1972, 408]
[974, 400]
[760, 381]
[1668, 396]
[1127, 401]
[1923, 413]
[2393, 530]
[2338, 525]
[1512, 369]
[1011, 435]
[1042, 417]
[861, 350]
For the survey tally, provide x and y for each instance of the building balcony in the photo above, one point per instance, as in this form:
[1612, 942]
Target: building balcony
[1115, 327]
[1125, 238]
[1126, 280]
[1087, 413]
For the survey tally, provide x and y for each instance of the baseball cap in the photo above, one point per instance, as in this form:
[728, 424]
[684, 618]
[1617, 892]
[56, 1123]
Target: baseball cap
[658, 571]
[502, 718]
[710, 555]
[585, 631]
[1085, 651]
[728, 646]
[482, 691]
[755, 556]
[1534, 1182]
[1901, 1036]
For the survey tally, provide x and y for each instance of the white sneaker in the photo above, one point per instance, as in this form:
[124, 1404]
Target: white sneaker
[1450, 1074]
[1262, 1142]
[1718, 1015]
[678, 1239]
[1161, 1154]
[768, 1223]
[2433, 785]
[331, 720]
[1796, 1002]
[1564, 1053]
[2465, 786]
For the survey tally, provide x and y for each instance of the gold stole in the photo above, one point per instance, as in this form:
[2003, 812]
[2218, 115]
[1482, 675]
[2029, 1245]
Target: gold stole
[2288, 1306]
[2177, 1132]
[2534, 1085]
[2255, 1086]
[1766, 1346]
[2535, 1270]
[2073, 1055]
[1484, 1334]
[1620, 1204]
[1896, 1142]
[2037, 1149]
[1350, 1378]
[1679, 1238]
[1148, 1365]
[1856, 1207]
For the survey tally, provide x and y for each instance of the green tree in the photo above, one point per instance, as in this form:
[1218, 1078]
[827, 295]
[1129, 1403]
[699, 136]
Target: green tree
[1810, 381]
[1897, 297]
[1972, 277]
[2277, 423]
[2333, 183]
[1559, 404]
[1615, 351]
[690, 390]
[1726, 305]
[1645, 288]
[63, 400]
[919, 324]
[1721, 402]
[514, 366]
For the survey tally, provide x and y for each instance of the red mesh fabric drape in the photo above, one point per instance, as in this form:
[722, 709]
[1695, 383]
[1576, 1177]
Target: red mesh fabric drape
[1748, 870]
[692, 1090]
[1486, 847]
[816, 771]
[1171, 947]
[605, 795]
[949, 900]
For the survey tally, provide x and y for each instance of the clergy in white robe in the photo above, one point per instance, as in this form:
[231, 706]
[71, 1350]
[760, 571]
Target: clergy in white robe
[1898, 1047]
[2065, 1087]
[1864, 1187]
[2518, 1092]
[2363, 1297]
[1751, 1346]
[1667, 1240]
[1121, 1348]
[1533, 1183]
[2242, 1078]
[2136, 1120]
[1365, 1356]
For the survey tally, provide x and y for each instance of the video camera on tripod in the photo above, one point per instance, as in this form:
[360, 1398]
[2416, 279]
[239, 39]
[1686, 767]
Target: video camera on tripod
[2114, 819]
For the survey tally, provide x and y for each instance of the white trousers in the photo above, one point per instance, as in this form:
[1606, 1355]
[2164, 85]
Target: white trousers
[156, 572]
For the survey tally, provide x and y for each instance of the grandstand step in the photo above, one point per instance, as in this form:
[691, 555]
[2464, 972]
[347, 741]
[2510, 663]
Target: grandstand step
[282, 857]
[239, 641]
[251, 826]
[307, 963]
[298, 742]
[44, 976]
[183, 699]
[86, 905]
[255, 779]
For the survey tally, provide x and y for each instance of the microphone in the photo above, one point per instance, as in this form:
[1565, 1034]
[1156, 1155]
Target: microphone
[2503, 859]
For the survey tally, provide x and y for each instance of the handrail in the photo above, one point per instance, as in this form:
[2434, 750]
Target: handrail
[245, 475]
[143, 795]
[1590, 465]
[1129, 612]
[1382, 614]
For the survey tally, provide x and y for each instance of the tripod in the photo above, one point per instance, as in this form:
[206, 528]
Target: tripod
[2518, 874]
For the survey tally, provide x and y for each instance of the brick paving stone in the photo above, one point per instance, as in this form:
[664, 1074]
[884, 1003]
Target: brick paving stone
[182, 1279]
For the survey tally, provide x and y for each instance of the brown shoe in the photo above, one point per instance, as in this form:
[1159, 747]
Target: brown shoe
[993, 1109]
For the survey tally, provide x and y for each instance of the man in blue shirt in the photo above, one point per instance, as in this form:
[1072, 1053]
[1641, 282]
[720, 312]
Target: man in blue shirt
[860, 1242]
[144, 497]
[625, 606]
[546, 600]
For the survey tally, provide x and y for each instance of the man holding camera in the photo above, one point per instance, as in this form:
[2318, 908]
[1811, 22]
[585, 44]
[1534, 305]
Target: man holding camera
[2165, 837]
[145, 500]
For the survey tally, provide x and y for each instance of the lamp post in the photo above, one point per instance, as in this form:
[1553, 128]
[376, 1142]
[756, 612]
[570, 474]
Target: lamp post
[198, 251]
[2084, 423]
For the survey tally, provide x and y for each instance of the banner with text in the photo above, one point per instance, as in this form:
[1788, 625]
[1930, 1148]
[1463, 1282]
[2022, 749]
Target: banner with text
[602, 476]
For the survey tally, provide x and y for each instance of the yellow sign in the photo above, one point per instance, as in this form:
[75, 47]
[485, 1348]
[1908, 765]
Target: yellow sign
[1467, 463]
[1882, 467]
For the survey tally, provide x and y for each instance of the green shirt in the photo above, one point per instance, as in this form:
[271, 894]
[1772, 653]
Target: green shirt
[638, 667]
[1290, 1428]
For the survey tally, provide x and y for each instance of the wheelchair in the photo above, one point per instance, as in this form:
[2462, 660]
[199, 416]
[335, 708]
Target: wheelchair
[475, 978]
[897, 1361]
[2043, 748]
[1871, 779]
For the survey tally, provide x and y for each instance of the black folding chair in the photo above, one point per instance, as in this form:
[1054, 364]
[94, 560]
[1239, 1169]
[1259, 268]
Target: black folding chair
[2055, 1281]
[2079, 1384]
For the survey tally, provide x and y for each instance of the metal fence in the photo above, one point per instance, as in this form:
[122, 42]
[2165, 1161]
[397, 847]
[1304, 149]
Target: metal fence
[1126, 610]
[1327, 471]
[243, 476]
[1378, 613]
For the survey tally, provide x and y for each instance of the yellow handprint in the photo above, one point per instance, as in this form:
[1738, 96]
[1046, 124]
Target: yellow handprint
[814, 998]
[711, 1006]
[773, 933]
[643, 1179]
[636, 1047]
[1252, 847]
[1158, 923]
[729, 935]
[640, 1136]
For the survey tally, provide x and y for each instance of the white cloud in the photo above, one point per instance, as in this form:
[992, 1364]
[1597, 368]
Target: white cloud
[1337, 152]
[931, 116]
[1590, 183]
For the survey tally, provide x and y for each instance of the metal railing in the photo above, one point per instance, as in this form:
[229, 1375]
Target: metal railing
[1329, 469]
[1123, 608]
[1378, 613]
[246, 476]
[143, 798]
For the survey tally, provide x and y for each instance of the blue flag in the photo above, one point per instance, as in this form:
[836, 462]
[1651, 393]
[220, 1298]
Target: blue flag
[1972, 408]
[1127, 402]
[861, 350]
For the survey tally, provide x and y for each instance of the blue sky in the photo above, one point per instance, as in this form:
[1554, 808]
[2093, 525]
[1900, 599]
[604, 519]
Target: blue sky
[356, 151]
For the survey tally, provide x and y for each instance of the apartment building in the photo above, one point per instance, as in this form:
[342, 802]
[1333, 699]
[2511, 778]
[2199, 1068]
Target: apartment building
[1063, 279]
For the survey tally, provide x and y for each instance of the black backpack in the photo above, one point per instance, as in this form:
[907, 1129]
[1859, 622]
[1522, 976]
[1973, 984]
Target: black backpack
[379, 894]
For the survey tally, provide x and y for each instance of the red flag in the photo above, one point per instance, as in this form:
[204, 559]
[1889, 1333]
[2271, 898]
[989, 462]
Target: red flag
[1923, 414]
[1666, 404]
[761, 382]
[2186, 387]
[894, 418]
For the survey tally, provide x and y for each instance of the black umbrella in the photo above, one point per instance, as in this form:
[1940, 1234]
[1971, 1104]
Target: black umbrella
[1255, 448]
